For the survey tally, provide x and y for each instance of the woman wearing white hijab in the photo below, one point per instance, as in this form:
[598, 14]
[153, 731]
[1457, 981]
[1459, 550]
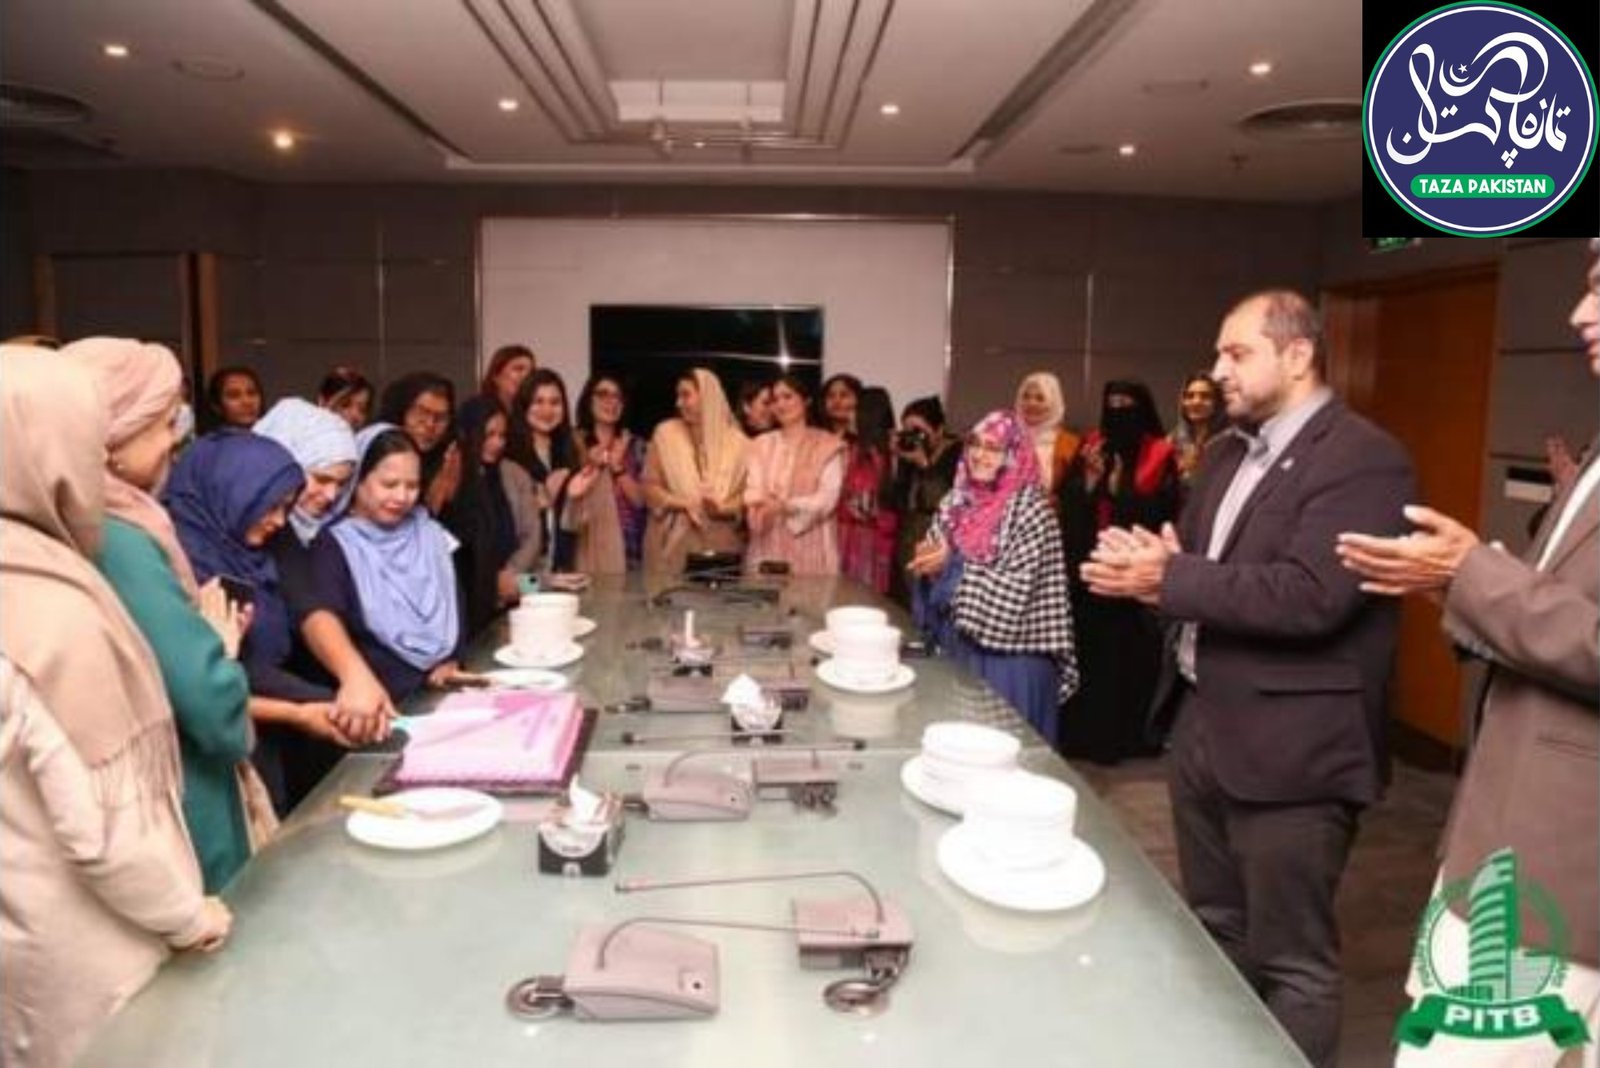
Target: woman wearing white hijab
[1041, 407]
[299, 740]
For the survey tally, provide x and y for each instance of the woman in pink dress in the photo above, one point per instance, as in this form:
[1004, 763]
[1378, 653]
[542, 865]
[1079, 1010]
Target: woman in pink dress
[867, 520]
[793, 486]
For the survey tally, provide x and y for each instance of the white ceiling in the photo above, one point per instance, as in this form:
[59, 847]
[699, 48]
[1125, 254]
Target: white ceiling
[1022, 94]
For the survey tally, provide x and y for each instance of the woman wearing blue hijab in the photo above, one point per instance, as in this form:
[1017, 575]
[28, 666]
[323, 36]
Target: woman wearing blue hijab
[381, 614]
[217, 495]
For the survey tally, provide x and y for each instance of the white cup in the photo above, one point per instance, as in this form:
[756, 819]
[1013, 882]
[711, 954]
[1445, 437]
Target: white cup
[866, 654]
[851, 615]
[960, 759]
[1021, 821]
[539, 634]
[563, 606]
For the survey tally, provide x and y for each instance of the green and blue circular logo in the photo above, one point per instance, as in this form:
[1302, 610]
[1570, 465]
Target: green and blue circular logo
[1480, 118]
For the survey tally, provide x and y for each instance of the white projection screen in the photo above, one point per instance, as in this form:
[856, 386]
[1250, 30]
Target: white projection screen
[883, 285]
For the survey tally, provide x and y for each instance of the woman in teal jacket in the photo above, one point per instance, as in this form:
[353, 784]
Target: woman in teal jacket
[193, 632]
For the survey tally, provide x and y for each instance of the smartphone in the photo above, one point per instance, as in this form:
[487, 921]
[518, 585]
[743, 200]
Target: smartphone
[239, 591]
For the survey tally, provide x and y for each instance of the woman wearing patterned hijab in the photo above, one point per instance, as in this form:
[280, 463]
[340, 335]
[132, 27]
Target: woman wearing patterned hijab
[195, 639]
[100, 882]
[993, 589]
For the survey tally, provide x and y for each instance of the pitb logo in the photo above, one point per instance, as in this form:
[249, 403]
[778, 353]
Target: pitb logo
[1508, 989]
[1479, 119]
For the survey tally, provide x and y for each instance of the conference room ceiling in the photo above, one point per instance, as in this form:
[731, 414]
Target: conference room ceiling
[1106, 96]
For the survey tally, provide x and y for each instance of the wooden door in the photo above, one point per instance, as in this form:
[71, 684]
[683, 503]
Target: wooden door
[1417, 357]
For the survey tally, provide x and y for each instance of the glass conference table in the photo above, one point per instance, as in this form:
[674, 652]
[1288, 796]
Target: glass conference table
[343, 954]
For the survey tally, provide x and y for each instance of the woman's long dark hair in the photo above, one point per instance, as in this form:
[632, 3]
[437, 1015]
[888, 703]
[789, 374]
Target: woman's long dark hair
[497, 363]
[874, 428]
[794, 382]
[585, 414]
[563, 445]
[850, 382]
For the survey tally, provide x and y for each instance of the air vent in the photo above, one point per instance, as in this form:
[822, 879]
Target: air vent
[1310, 120]
[22, 107]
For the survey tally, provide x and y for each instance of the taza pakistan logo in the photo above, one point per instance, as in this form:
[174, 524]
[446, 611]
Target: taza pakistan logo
[1479, 119]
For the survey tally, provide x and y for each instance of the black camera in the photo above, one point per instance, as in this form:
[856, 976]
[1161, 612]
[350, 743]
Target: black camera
[910, 440]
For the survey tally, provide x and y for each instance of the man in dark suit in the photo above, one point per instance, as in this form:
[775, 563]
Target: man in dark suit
[1281, 663]
[1533, 782]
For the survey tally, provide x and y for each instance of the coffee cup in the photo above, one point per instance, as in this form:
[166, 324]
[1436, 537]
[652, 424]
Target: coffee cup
[539, 634]
[1021, 821]
[563, 606]
[850, 615]
[866, 654]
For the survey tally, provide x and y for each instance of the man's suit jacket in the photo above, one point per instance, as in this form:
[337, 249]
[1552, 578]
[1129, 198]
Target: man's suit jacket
[1533, 780]
[1293, 660]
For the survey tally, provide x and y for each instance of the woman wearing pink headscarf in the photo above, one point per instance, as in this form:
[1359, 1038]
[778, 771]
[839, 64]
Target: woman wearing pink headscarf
[992, 582]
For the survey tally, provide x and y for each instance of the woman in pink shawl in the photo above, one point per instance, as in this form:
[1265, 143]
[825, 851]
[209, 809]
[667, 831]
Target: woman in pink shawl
[793, 486]
[991, 583]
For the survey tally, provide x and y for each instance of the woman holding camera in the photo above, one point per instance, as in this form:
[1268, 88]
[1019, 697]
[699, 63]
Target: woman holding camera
[926, 455]
[793, 486]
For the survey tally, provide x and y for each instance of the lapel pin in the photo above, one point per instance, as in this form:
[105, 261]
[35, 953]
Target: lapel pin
[1287, 463]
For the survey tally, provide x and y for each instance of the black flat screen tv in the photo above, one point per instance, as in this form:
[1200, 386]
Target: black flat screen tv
[647, 346]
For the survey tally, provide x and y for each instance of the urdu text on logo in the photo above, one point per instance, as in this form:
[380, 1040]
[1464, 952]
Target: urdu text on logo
[1479, 119]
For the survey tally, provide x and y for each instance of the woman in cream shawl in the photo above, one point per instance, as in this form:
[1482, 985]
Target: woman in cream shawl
[1042, 407]
[97, 878]
[694, 477]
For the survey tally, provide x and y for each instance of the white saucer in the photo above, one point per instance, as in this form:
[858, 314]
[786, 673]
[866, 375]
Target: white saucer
[1061, 886]
[903, 676]
[415, 833]
[821, 641]
[583, 626]
[918, 787]
[508, 655]
[528, 679]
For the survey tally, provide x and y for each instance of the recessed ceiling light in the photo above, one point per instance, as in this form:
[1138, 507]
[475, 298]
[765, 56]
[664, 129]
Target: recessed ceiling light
[699, 144]
[116, 51]
[890, 110]
[509, 104]
[283, 140]
[1127, 150]
[1261, 68]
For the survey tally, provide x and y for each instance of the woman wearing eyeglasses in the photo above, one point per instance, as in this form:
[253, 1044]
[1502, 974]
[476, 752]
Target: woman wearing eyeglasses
[606, 495]
[991, 582]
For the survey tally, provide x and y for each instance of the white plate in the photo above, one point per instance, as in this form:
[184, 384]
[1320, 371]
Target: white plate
[1061, 886]
[583, 626]
[414, 833]
[508, 655]
[919, 788]
[903, 676]
[821, 641]
[528, 679]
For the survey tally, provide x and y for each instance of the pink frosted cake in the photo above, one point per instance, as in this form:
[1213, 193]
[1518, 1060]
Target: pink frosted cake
[510, 741]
